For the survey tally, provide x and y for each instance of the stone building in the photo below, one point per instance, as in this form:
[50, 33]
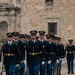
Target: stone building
[9, 17]
[54, 16]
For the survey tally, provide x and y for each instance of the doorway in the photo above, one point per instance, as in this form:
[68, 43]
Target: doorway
[3, 30]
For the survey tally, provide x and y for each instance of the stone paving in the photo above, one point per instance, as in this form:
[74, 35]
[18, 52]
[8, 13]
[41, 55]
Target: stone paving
[63, 70]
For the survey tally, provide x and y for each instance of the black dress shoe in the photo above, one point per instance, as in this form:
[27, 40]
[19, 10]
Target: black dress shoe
[68, 72]
[72, 72]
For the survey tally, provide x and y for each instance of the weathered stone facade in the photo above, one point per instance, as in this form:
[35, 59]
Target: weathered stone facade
[9, 17]
[35, 14]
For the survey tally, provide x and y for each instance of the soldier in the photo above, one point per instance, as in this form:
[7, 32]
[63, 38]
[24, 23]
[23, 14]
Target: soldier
[51, 52]
[22, 51]
[70, 50]
[33, 51]
[15, 36]
[25, 45]
[60, 54]
[25, 37]
[18, 43]
[44, 44]
[11, 54]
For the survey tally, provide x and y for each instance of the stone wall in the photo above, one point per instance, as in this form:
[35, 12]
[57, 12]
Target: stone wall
[35, 15]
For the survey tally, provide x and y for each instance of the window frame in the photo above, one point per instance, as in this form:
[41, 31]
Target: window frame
[55, 28]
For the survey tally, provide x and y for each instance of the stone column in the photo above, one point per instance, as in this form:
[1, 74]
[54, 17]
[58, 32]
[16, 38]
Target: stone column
[13, 24]
[9, 25]
[9, 22]
[12, 21]
[18, 23]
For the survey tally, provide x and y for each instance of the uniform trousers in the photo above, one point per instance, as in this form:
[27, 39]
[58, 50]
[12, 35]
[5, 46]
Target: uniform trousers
[70, 65]
[34, 69]
[58, 67]
[10, 69]
[50, 68]
[43, 68]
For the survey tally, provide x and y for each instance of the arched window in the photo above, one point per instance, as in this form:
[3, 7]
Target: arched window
[3, 30]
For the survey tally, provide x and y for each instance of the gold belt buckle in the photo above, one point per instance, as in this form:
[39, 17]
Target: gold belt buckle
[8, 54]
[33, 53]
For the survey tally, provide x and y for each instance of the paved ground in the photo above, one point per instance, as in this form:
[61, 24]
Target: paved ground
[63, 70]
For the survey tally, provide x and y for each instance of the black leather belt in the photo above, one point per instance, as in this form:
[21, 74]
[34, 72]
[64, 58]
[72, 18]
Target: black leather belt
[33, 53]
[9, 54]
[70, 52]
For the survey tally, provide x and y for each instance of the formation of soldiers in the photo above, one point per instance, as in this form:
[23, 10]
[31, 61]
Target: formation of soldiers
[32, 55]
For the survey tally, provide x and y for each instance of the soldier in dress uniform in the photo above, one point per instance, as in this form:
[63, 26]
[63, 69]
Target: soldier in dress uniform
[15, 36]
[34, 52]
[44, 44]
[22, 51]
[25, 46]
[51, 52]
[60, 54]
[23, 65]
[11, 54]
[18, 43]
[70, 50]
[25, 37]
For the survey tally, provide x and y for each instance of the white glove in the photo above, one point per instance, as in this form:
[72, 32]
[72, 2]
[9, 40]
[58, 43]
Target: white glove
[21, 61]
[57, 61]
[64, 57]
[0, 63]
[43, 62]
[17, 65]
[24, 61]
[60, 59]
[49, 61]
